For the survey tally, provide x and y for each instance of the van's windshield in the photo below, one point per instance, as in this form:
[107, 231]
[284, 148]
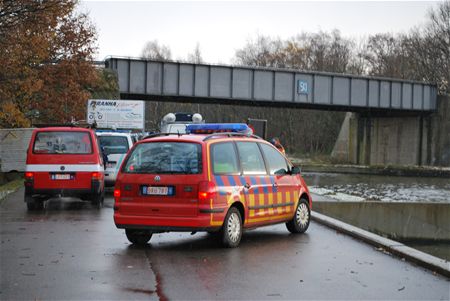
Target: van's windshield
[165, 158]
[62, 143]
[114, 144]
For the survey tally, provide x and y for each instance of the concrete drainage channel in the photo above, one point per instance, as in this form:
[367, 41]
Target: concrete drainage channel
[433, 263]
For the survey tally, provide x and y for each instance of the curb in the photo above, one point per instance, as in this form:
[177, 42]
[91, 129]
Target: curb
[430, 262]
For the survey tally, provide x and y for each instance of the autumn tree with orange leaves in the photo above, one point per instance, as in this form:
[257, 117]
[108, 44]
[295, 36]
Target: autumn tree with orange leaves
[46, 70]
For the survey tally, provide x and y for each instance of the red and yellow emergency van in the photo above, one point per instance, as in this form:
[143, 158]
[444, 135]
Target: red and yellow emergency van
[63, 161]
[218, 178]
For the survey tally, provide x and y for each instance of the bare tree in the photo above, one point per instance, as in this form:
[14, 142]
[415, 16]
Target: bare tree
[437, 37]
[262, 51]
[321, 51]
[152, 50]
[196, 56]
[384, 55]
[422, 54]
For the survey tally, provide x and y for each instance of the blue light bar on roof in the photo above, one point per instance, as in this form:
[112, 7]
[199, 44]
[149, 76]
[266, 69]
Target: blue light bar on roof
[209, 128]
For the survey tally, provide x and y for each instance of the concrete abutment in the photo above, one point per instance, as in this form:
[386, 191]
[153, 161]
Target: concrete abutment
[366, 139]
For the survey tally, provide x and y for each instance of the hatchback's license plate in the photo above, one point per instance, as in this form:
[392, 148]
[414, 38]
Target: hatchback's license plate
[59, 176]
[157, 190]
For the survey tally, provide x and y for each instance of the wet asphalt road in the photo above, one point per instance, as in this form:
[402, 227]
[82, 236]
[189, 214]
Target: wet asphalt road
[72, 251]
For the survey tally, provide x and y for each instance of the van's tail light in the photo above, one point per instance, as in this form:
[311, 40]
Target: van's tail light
[96, 175]
[29, 178]
[117, 193]
[206, 191]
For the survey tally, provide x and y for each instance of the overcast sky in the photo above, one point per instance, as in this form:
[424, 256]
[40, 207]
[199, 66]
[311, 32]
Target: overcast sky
[222, 27]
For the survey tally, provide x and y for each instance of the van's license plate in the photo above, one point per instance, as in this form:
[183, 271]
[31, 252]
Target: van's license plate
[157, 190]
[58, 176]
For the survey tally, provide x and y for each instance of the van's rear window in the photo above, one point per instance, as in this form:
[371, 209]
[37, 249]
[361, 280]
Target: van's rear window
[165, 158]
[114, 144]
[62, 143]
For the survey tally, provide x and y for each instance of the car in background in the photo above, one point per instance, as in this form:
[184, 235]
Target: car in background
[114, 145]
[176, 123]
[63, 162]
[217, 178]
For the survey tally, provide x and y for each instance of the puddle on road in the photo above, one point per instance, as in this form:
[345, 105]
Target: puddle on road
[355, 187]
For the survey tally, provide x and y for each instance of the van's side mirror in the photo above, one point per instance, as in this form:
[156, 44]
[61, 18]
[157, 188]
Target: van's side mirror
[296, 170]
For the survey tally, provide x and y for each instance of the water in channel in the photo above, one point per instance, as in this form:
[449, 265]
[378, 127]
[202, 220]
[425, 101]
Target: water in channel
[379, 188]
[360, 187]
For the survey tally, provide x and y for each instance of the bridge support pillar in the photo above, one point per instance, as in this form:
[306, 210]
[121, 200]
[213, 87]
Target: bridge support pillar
[376, 140]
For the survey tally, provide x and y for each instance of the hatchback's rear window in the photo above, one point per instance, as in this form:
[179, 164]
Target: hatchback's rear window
[165, 158]
[62, 143]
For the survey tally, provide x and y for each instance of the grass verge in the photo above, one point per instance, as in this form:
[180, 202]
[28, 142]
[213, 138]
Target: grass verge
[9, 188]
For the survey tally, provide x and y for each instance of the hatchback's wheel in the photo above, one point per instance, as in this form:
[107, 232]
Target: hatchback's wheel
[232, 228]
[138, 237]
[300, 222]
[34, 204]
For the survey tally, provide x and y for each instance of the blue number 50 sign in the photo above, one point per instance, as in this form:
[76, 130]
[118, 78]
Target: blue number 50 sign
[302, 87]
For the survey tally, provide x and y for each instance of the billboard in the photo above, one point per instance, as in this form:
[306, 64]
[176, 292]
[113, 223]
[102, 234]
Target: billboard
[119, 114]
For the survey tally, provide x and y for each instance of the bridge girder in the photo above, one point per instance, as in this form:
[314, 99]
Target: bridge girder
[237, 85]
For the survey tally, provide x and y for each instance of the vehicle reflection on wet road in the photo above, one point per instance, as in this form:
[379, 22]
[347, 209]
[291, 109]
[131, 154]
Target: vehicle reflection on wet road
[73, 251]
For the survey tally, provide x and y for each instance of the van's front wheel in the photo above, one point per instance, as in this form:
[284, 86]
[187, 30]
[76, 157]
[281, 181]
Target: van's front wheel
[300, 222]
[232, 228]
[138, 237]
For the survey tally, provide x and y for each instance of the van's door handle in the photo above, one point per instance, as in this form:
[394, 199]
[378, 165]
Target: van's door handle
[247, 186]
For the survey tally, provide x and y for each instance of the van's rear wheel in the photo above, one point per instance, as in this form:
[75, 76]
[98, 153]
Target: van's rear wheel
[232, 228]
[34, 204]
[300, 222]
[97, 200]
[138, 237]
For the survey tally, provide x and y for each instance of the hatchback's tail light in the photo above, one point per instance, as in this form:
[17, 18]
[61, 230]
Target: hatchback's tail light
[206, 191]
[117, 193]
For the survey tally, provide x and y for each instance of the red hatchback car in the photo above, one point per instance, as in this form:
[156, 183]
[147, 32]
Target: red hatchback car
[217, 178]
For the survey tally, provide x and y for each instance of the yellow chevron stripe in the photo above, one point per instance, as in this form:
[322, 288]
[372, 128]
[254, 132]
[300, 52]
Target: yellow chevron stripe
[251, 199]
[270, 203]
[261, 203]
[288, 200]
